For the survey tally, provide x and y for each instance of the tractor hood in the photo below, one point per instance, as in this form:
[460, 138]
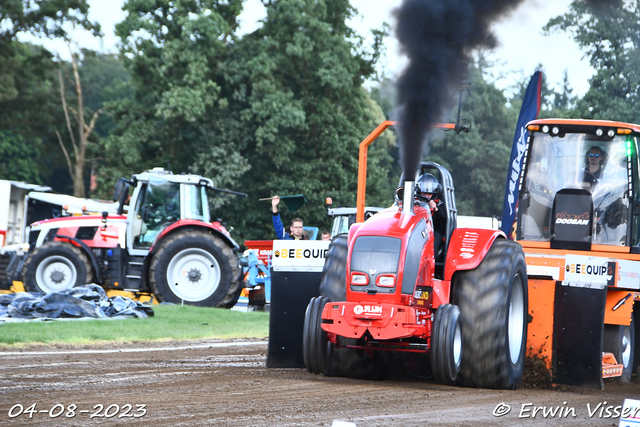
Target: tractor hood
[386, 254]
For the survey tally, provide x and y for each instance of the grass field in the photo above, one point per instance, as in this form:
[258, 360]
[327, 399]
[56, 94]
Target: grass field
[170, 322]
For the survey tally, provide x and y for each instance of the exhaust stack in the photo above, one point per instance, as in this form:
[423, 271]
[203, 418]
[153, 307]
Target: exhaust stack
[407, 198]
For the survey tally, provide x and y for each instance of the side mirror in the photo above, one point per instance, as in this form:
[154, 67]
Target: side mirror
[398, 195]
[122, 195]
[117, 190]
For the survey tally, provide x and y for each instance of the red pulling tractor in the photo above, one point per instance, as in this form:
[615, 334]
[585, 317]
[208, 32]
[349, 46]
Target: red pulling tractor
[384, 289]
[165, 245]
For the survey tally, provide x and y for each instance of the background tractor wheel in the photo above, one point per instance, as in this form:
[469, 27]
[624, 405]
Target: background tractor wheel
[492, 299]
[333, 284]
[54, 267]
[620, 340]
[197, 268]
[446, 344]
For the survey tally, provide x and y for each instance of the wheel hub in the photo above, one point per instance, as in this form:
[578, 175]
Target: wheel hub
[56, 273]
[626, 348]
[194, 275]
[57, 276]
[516, 319]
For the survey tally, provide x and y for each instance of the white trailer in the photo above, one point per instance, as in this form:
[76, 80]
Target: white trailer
[13, 209]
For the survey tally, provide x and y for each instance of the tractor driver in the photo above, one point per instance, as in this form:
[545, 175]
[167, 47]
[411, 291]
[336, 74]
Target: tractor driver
[594, 160]
[430, 188]
[297, 231]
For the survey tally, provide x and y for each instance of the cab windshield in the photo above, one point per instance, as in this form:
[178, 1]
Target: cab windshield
[578, 161]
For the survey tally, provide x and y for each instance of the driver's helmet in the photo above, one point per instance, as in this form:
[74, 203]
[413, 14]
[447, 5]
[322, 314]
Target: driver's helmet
[428, 183]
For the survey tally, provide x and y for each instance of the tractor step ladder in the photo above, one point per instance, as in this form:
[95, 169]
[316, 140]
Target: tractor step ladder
[134, 273]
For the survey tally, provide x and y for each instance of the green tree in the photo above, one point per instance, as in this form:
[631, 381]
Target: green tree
[299, 112]
[104, 81]
[174, 53]
[608, 33]
[18, 159]
[27, 110]
[42, 17]
[564, 101]
[478, 160]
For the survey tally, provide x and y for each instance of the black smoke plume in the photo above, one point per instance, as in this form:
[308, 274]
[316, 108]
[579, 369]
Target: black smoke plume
[438, 37]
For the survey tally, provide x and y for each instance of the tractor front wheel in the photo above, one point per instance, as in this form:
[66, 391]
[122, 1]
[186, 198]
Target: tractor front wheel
[620, 340]
[446, 344]
[314, 340]
[492, 299]
[196, 268]
[55, 267]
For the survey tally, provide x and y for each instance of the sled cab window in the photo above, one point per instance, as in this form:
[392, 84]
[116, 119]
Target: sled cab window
[597, 165]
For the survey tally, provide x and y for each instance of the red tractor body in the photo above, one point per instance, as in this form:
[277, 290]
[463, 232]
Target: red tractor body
[389, 286]
[165, 245]
[399, 302]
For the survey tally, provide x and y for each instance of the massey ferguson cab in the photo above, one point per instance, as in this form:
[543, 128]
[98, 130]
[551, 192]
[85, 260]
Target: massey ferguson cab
[384, 289]
[166, 244]
[578, 221]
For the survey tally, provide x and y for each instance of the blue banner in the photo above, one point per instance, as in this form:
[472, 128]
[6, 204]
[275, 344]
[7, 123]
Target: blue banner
[529, 111]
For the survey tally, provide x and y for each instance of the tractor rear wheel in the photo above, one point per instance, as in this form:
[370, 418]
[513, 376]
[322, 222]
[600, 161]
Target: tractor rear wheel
[492, 299]
[333, 283]
[196, 268]
[620, 340]
[446, 344]
[55, 267]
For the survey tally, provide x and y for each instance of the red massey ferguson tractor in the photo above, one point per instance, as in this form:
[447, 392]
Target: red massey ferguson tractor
[165, 245]
[385, 290]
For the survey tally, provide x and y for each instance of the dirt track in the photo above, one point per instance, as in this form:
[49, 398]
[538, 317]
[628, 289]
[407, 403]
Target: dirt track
[197, 383]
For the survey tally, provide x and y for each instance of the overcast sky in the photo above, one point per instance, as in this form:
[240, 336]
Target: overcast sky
[522, 44]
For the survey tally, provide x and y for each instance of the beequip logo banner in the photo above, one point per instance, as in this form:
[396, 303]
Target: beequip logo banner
[529, 111]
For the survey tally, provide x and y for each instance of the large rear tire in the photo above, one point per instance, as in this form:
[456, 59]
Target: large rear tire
[196, 268]
[446, 344]
[55, 267]
[620, 340]
[493, 308]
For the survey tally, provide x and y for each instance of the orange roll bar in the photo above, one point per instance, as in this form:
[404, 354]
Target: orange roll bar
[362, 163]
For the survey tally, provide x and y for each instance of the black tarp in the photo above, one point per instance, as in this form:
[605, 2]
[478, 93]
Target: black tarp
[80, 302]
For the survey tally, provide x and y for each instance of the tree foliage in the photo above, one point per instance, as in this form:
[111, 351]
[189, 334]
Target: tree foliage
[27, 110]
[43, 17]
[478, 160]
[279, 111]
[173, 53]
[608, 32]
[300, 112]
